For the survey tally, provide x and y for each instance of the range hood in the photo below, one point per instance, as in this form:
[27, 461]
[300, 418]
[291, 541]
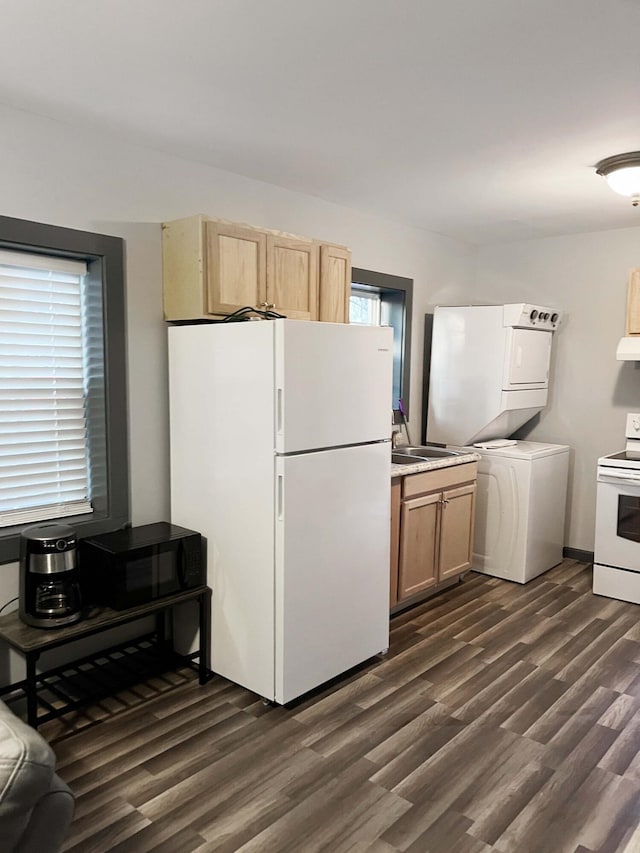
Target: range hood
[629, 348]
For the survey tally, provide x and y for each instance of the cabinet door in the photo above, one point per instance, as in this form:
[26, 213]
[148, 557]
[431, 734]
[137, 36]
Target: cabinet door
[236, 267]
[335, 284]
[418, 545]
[633, 304]
[183, 269]
[292, 277]
[396, 488]
[456, 530]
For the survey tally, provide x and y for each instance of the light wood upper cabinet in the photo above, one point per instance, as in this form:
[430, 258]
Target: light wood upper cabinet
[335, 284]
[236, 268]
[633, 304]
[436, 527]
[212, 268]
[292, 277]
[184, 269]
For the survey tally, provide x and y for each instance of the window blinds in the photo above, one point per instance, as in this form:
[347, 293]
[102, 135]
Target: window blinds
[44, 470]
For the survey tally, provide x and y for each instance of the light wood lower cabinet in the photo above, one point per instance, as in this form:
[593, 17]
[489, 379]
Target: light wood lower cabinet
[418, 565]
[456, 530]
[435, 532]
[396, 498]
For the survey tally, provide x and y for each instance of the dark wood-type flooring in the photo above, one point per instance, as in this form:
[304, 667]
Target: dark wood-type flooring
[504, 718]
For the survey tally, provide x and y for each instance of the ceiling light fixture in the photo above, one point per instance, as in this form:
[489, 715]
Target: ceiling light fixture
[623, 174]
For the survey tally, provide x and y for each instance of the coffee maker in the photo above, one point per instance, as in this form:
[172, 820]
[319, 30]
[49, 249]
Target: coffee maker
[49, 588]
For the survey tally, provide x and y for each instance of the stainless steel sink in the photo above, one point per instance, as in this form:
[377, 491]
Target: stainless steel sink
[426, 452]
[404, 459]
[411, 455]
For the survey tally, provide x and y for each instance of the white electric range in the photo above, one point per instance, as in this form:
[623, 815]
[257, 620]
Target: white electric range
[616, 568]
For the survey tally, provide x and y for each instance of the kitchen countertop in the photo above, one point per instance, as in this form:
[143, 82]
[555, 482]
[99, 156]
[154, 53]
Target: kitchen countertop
[432, 464]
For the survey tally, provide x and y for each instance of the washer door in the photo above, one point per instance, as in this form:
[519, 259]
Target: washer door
[496, 546]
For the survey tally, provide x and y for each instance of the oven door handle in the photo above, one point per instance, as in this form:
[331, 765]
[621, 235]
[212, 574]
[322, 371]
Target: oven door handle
[612, 478]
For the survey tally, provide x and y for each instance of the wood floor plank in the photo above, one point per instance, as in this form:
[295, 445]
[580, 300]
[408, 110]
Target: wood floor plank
[544, 815]
[414, 661]
[583, 724]
[624, 748]
[587, 657]
[449, 829]
[542, 694]
[504, 719]
[105, 838]
[493, 809]
[621, 710]
[373, 725]
[425, 745]
[618, 800]
[328, 817]
[460, 763]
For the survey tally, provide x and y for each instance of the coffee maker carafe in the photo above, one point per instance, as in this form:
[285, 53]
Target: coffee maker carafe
[49, 588]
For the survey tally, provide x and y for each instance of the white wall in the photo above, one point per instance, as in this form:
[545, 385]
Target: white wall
[53, 173]
[585, 276]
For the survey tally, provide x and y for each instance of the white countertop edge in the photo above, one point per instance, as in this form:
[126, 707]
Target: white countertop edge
[432, 464]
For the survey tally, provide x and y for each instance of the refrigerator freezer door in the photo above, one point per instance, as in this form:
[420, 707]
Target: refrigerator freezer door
[332, 564]
[333, 384]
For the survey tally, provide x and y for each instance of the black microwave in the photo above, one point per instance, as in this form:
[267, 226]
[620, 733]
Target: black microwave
[137, 565]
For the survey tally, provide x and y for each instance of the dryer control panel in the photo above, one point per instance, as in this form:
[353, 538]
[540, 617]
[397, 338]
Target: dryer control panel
[525, 316]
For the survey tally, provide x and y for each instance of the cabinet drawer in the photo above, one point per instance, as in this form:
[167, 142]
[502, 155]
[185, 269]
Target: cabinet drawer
[439, 479]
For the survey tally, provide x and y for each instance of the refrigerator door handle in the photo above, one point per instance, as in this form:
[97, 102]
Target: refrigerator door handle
[279, 410]
[280, 497]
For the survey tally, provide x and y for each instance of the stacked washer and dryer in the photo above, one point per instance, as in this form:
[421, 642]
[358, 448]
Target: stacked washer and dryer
[489, 375]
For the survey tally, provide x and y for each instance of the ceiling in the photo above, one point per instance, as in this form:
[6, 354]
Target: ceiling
[477, 119]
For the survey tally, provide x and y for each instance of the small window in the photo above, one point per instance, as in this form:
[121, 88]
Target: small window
[382, 299]
[63, 441]
[364, 307]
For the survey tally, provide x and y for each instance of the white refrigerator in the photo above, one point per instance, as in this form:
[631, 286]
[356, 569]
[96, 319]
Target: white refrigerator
[280, 457]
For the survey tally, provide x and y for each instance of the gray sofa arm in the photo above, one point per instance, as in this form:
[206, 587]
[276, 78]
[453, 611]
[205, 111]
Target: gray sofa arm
[36, 807]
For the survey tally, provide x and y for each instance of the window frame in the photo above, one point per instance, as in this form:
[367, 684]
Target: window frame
[396, 294]
[105, 258]
[363, 291]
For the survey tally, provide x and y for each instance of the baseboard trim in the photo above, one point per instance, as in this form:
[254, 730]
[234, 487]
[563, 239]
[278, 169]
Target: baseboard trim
[577, 554]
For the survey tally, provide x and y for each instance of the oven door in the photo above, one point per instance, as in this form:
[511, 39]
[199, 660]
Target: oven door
[617, 541]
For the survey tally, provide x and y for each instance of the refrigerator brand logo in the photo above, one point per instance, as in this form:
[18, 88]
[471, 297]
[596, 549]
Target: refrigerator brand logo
[383, 349]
